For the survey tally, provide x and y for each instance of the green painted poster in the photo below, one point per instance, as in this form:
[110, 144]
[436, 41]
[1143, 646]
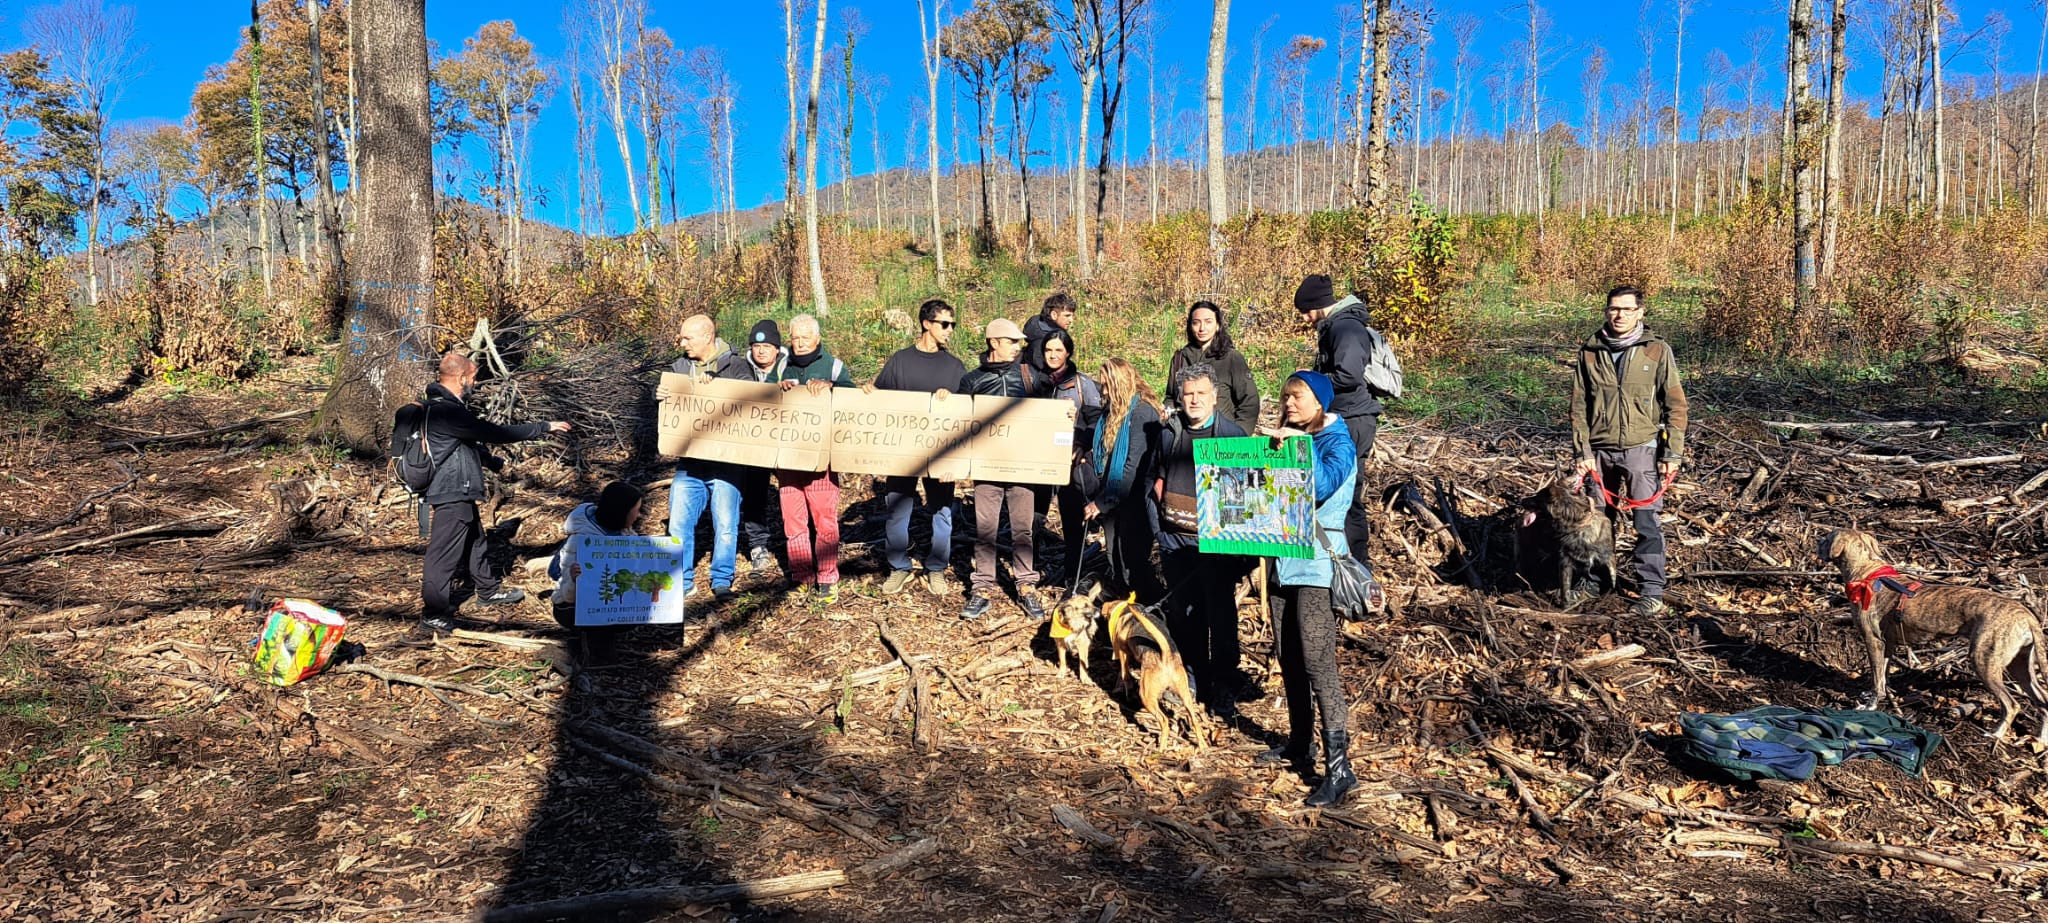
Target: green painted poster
[1252, 496]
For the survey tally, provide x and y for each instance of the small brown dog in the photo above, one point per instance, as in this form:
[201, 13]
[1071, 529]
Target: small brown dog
[1892, 611]
[1073, 626]
[1564, 525]
[1143, 647]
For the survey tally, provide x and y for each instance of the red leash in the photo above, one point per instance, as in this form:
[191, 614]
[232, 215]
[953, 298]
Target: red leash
[1627, 505]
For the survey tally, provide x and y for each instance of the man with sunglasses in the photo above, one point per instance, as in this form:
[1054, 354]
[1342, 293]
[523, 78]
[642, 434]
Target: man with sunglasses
[924, 366]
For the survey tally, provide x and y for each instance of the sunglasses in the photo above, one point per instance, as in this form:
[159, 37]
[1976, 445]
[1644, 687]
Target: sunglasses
[943, 324]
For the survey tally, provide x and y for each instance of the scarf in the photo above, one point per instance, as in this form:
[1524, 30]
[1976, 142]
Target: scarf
[1618, 343]
[804, 360]
[1863, 592]
[1113, 475]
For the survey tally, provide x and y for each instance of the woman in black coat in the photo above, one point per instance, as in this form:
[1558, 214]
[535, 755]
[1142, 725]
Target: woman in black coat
[1237, 394]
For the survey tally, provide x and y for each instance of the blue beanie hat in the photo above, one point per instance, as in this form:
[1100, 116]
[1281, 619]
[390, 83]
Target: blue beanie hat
[1318, 385]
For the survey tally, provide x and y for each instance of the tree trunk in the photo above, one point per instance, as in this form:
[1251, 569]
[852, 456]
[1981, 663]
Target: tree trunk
[387, 347]
[1805, 305]
[1090, 71]
[1382, 84]
[1940, 154]
[260, 166]
[1219, 38]
[1677, 111]
[1112, 90]
[818, 301]
[328, 221]
[1831, 203]
[931, 82]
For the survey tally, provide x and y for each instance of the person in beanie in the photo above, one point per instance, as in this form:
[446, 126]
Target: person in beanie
[456, 436]
[1343, 351]
[1628, 426]
[926, 367]
[810, 499]
[765, 360]
[1304, 626]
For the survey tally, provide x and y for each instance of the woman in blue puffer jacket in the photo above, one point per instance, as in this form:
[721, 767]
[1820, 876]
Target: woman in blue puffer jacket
[1304, 626]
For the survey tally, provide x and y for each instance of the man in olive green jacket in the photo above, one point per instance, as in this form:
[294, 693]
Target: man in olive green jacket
[1628, 426]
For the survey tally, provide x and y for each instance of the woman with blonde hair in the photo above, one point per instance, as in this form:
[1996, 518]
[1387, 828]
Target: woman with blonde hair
[1122, 449]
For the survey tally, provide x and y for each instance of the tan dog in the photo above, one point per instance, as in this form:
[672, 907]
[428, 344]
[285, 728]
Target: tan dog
[1892, 611]
[1144, 648]
[1073, 626]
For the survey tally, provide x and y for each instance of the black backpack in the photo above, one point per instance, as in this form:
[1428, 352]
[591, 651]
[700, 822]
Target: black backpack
[412, 457]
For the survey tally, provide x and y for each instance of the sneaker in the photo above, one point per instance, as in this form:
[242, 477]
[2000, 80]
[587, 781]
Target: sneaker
[1649, 606]
[896, 582]
[936, 581]
[721, 594]
[1028, 599]
[826, 594]
[977, 606]
[502, 596]
[427, 631]
[761, 559]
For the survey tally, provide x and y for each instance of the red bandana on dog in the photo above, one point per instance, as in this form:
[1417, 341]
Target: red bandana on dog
[1861, 591]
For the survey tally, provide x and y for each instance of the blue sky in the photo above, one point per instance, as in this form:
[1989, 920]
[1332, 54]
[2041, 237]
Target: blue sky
[183, 37]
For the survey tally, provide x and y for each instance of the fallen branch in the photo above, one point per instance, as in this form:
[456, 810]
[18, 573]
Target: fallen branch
[590, 906]
[922, 733]
[181, 525]
[1872, 424]
[1080, 827]
[1955, 864]
[168, 438]
[1620, 654]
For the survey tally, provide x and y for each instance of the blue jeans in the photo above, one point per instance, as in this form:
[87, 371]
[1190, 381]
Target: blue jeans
[902, 499]
[688, 495]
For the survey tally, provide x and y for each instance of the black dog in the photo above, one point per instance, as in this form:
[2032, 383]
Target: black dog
[1564, 532]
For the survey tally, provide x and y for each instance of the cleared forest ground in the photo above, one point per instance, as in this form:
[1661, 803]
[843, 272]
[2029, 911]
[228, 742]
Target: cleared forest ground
[145, 774]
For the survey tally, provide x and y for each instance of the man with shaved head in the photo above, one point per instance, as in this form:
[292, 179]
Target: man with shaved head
[456, 437]
[699, 484]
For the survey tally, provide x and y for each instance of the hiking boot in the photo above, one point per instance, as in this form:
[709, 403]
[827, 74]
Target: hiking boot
[896, 582]
[936, 582]
[502, 596]
[1649, 607]
[1028, 599]
[761, 559]
[827, 594]
[977, 606]
[721, 594]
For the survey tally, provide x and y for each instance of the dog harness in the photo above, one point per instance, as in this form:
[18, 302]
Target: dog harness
[1862, 592]
[1129, 608]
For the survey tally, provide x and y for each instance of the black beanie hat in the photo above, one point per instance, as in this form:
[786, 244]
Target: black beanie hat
[765, 332]
[1315, 292]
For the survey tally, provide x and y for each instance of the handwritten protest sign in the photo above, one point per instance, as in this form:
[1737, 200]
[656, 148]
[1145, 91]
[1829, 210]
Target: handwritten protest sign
[1252, 497]
[1022, 440]
[745, 423]
[895, 433]
[629, 580]
[1025, 441]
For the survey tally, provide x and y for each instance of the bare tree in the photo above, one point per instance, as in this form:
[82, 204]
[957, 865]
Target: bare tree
[1382, 86]
[387, 344]
[1805, 304]
[1080, 25]
[819, 303]
[329, 219]
[1936, 16]
[1219, 39]
[616, 28]
[1680, 9]
[91, 48]
[1831, 206]
[931, 60]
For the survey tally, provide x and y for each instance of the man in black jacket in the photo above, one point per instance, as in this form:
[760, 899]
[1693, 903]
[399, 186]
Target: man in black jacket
[456, 437]
[1201, 610]
[700, 484]
[1002, 374]
[924, 366]
[1343, 351]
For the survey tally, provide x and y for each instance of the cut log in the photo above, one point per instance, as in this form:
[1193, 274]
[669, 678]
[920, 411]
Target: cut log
[1620, 654]
[590, 906]
[169, 438]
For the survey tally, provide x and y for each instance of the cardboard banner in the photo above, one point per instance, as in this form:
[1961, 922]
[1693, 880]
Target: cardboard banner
[745, 423]
[1022, 440]
[891, 433]
[1254, 498]
[899, 433]
[630, 580]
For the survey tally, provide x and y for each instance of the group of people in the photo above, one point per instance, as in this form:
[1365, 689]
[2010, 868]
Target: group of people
[1133, 477]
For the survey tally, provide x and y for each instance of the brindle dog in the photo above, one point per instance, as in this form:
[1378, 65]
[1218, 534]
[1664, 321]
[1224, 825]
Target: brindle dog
[1900, 611]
